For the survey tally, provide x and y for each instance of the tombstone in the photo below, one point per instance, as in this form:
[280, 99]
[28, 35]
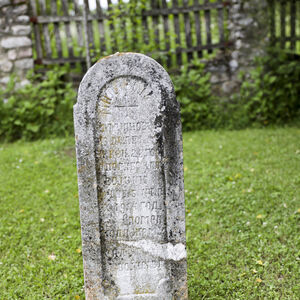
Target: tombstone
[130, 178]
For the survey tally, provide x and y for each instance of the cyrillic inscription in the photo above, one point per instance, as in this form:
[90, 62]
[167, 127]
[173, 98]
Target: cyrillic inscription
[129, 171]
[130, 181]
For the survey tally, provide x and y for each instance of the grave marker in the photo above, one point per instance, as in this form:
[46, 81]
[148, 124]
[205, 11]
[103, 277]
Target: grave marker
[130, 178]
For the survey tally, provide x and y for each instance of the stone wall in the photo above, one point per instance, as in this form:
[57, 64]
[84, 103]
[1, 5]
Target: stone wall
[15, 40]
[248, 27]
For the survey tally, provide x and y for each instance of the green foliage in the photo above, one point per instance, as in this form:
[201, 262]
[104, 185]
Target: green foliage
[268, 95]
[193, 91]
[271, 94]
[40, 109]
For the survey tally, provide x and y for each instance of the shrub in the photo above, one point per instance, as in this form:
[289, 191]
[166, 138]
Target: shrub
[43, 108]
[40, 109]
[193, 91]
[271, 94]
[268, 95]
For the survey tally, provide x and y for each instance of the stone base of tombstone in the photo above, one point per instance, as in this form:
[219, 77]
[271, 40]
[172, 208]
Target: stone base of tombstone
[130, 178]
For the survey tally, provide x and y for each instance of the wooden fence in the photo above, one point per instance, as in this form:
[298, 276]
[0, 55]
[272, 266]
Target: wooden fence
[285, 24]
[174, 31]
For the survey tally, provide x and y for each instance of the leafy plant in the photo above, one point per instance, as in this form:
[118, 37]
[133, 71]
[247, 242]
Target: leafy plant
[268, 95]
[271, 94]
[40, 109]
[193, 91]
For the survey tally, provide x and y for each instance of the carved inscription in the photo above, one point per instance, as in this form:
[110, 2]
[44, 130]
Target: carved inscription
[130, 179]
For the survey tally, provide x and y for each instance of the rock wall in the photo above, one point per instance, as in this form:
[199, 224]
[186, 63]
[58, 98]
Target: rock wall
[15, 40]
[248, 36]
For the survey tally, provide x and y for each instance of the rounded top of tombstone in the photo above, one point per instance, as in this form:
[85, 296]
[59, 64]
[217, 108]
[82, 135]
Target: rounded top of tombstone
[124, 64]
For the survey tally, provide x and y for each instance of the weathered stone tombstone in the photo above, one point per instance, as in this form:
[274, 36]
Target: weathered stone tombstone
[130, 178]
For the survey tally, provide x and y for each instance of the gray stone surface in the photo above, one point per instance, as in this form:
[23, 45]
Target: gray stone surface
[233, 64]
[6, 65]
[248, 35]
[23, 19]
[15, 39]
[4, 2]
[16, 2]
[15, 42]
[25, 52]
[130, 179]
[24, 64]
[21, 29]
[12, 54]
[22, 83]
[20, 9]
[4, 80]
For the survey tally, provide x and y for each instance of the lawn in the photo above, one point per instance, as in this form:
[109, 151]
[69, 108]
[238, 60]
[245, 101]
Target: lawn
[242, 209]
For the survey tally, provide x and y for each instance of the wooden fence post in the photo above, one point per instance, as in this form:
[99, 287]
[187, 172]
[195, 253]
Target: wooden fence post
[86, 33]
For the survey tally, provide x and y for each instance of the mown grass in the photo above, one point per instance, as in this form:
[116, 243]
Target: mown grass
[242, 209]
[242, 198]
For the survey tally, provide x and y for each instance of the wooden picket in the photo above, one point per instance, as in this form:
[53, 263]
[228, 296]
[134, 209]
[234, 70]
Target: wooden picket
[62, 35]
[284, 25]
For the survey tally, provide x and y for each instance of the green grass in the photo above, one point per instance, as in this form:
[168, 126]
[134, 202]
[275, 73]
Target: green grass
[242, 208]
[242, 196]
